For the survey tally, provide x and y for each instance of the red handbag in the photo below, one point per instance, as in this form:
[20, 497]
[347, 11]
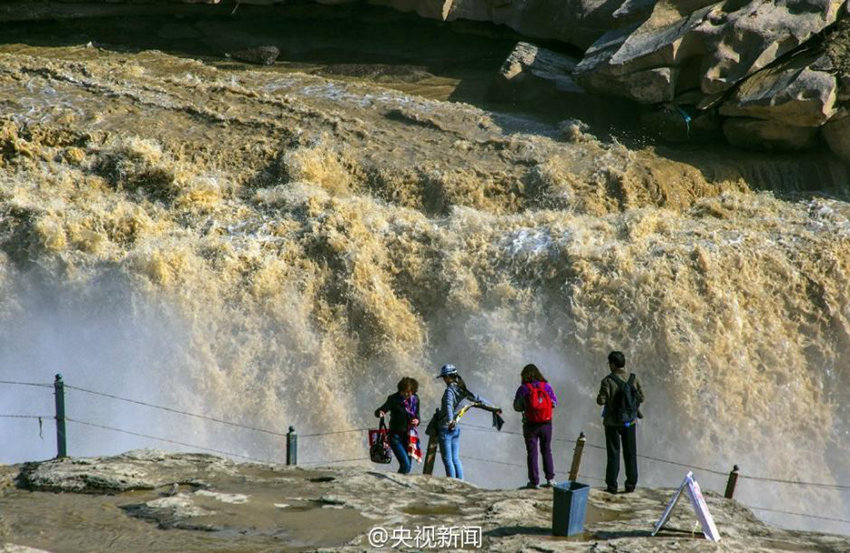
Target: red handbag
[379, 444]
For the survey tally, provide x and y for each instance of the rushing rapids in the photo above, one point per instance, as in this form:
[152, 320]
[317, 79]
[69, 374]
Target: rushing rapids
[277, 248]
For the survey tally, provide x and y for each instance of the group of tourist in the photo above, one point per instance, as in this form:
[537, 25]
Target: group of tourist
[620, 394]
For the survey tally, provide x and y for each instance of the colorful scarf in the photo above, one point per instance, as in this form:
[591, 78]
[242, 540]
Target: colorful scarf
[413, 448]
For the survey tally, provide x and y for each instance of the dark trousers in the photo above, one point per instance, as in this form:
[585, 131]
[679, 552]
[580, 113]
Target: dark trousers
[542, 432]
[613, 436]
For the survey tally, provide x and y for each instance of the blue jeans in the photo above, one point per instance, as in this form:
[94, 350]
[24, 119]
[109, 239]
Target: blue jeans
[399, 445]
[449, 451]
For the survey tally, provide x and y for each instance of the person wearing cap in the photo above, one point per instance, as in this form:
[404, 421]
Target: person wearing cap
[448, 431]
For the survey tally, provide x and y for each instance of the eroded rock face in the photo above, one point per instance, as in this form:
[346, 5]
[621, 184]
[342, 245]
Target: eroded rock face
[740, 42]
[727, 41]
[646, 51]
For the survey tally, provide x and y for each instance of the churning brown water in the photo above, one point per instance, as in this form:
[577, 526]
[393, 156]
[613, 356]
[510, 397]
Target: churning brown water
[277, 248]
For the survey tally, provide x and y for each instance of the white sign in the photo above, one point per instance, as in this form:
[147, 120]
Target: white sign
[691, 486]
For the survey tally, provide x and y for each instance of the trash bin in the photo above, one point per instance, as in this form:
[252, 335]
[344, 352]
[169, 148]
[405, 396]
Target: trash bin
[569, 508]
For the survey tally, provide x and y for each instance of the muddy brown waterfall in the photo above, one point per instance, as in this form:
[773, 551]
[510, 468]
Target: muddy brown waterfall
[278, 245]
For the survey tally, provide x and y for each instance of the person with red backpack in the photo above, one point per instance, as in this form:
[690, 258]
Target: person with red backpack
[535, 398]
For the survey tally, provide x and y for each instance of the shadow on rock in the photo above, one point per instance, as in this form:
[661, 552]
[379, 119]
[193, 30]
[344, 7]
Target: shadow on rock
[626, 534]
[518, 531]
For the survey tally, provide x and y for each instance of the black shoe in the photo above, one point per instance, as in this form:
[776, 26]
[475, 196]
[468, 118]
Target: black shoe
[530, 486]
[629, 490]
[611, 490]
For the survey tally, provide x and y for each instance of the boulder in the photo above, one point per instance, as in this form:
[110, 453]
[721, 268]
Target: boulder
[801, 92]
[727, 41]
[837, 134]
[260, 55]
[741, 41]
[532, 72]
[135, 470]
[770, 135]
[539, 78]
[620, 58]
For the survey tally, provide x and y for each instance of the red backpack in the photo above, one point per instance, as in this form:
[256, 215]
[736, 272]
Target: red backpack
[539, 408]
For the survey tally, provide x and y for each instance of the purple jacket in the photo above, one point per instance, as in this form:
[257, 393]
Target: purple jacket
[522, 393]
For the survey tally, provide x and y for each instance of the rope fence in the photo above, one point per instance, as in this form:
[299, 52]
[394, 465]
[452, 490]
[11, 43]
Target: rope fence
[489, 430]
[15, 383]
[166, 440]
[206, 417]
[797, 514]
[291, 443]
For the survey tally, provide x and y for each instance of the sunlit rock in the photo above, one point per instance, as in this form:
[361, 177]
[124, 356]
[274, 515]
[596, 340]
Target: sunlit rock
[800, 92]
[739, 42]
[725, 41]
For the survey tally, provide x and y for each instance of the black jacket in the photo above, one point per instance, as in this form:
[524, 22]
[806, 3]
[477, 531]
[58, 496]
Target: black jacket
[399, 417]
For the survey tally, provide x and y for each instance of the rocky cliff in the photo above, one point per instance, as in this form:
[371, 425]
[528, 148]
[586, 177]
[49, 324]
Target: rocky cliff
[149, 500]
[764, 75]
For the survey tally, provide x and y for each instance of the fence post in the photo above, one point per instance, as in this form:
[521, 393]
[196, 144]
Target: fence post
[291, 447]
[579, 449]
[730, 484]
[59, 388]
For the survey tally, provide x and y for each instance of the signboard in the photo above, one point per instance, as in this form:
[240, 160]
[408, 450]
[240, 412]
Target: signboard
[691, 487]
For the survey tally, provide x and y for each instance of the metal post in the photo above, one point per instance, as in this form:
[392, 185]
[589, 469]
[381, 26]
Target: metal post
[730, 484]
[291, 447]
[579, 449]
[59, 388]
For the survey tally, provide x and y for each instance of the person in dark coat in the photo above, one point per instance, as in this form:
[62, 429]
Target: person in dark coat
[401, 421]
[619, 427]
